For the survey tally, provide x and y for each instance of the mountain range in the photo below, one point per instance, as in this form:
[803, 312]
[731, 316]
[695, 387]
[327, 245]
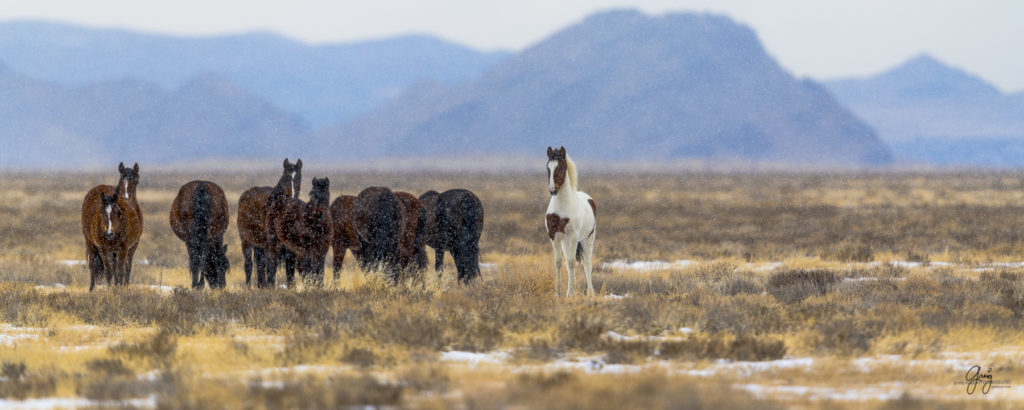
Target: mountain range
[930, 112]
[624, 85]
[323, 84]
[619, 85]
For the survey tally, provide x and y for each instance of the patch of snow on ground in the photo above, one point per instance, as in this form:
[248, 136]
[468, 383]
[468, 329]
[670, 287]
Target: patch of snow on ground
[474, 358]
[488, 266]
[162, 288]
[883, 392]
[67, 402]
[744, 368]
[615, 297]
[71, 262]
[646, 266]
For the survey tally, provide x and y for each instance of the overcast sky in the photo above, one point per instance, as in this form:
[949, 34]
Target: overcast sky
[817, 38]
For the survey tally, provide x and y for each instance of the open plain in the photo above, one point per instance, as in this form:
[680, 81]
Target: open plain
[715, 290]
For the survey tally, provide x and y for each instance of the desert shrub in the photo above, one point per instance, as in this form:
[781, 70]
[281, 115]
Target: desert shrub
[304, 346]
[703, 347]
[795, 286]
[742, 314]
[536, 350]
[849, 251]
[311, 392]
[627, 351]
[581, 329]
[19, 382]
[158, 350]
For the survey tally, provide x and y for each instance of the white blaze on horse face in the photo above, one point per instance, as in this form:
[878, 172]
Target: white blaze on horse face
[110, 225]
[125, 191]
[551, 175]
[294, 194]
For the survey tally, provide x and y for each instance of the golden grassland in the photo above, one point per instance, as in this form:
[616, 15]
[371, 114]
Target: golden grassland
[805, 290]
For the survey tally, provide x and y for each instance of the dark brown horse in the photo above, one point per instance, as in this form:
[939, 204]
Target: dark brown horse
[412, 255]
[454, 223]
[343, 221]
[304, 228]
[112, 225]
[199, 216]
[252, 229]
[377, 218]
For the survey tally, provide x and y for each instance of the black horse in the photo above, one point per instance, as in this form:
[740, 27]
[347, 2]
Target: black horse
[199, 217]
[454, 223]
[377, 222]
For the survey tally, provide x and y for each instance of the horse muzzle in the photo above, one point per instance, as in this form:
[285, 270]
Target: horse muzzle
[553, 192]
[108, 235]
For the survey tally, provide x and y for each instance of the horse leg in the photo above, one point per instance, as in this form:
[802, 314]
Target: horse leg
[558, 266]
[107, 258]
[321, 264]
[569, 255]
[588, 251]
[92, 258]
[195, 262]
[339, 259]
[272, 253]
[246, 255]
[121, 268]
[261, 266]
[289, 267]
[439, 262]
[130, 262]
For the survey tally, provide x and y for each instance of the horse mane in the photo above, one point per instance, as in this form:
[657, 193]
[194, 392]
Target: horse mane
[571, 171]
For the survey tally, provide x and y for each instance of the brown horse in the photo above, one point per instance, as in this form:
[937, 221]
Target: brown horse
[112, 225]
[199, 216]
[304, 228]
[343, 220]
[252, 228]
[412, 255]
[377, 218]
[454, 223]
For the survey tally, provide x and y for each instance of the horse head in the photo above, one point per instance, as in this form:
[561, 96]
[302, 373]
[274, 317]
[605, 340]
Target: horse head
[556, 169]
[128, 181]
[292, 178]
[110, 216]
[320, 196]
[220, 261]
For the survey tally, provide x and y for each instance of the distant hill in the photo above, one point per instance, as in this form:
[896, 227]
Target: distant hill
[52, 125]
[323, 84]
[933, 113]
[623, 85]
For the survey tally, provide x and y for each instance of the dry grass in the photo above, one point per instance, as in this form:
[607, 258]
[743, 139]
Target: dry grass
[824, 295]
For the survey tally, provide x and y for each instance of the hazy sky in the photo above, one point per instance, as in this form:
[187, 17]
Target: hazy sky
[817, 38]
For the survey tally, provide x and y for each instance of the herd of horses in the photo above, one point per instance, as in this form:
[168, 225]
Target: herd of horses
[386, 231]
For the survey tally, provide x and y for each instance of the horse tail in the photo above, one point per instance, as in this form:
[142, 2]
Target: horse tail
[385, 221]
[469, 237]
[201, 207]
[419, 253]
[579, 251]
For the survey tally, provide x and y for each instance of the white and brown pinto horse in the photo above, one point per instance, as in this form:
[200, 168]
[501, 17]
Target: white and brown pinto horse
[571, 220]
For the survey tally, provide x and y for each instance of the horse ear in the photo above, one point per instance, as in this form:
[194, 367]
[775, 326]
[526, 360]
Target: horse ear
[550, 151]
[327, 182]
[136, 168]
[286, 164]
[561, 150]
[298, 164]
[120, 167]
